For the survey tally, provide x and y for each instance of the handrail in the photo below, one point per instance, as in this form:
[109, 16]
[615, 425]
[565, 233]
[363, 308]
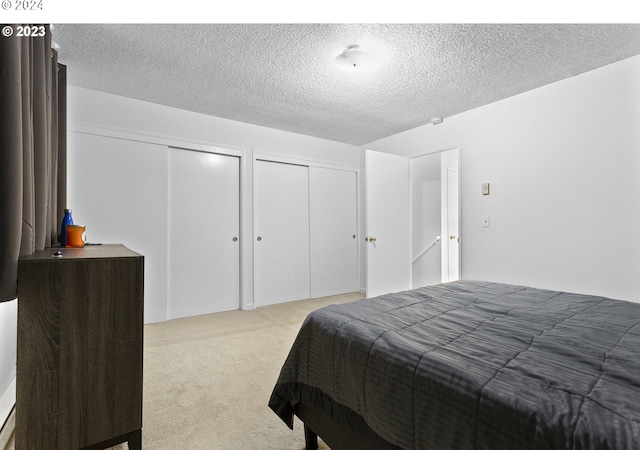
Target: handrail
[428, 247]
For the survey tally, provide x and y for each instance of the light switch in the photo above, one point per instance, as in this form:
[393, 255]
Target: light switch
[486, 221]
[485, 188]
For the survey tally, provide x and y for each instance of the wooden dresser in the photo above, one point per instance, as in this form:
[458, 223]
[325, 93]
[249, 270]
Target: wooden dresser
[79, 355]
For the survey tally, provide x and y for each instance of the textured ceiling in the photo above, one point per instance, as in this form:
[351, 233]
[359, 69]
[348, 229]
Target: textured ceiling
[283, 76]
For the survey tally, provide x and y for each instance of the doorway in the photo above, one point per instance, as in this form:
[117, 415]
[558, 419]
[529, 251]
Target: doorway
[435, 211]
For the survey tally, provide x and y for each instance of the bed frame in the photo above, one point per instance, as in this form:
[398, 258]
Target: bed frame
[318, 423]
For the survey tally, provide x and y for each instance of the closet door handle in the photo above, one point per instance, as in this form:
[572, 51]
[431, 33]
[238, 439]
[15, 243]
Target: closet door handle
[235, 239]
[259, 238]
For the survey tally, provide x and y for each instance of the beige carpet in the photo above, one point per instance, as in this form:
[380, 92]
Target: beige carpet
[207, 379]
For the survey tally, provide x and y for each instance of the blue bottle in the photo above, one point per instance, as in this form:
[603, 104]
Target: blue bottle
[66, 220]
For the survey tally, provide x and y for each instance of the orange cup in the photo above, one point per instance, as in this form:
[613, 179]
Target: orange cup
[75, 235]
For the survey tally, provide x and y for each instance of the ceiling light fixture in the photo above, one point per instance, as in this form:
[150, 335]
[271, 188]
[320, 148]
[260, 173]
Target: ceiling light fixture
[354, 59]
[436, 120]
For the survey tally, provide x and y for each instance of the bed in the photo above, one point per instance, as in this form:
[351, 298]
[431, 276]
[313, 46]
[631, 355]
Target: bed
[467, 365]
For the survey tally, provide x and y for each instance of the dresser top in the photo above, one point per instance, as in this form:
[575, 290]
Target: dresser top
[87, 252]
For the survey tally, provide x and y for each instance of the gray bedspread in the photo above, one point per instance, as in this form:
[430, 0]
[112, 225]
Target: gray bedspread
[473, 365]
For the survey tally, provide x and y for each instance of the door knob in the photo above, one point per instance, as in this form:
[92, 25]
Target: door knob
[235, 239]
[372, 239]
[259, 238]
[452, 237]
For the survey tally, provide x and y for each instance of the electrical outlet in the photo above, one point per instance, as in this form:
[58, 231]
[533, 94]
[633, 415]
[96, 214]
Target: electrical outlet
[485, 188]
[486, 221]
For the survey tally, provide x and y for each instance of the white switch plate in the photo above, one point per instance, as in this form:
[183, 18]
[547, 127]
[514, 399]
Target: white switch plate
[486, 221]
[485, 188]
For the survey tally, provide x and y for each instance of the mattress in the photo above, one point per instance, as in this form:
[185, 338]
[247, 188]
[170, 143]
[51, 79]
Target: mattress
[473, 365]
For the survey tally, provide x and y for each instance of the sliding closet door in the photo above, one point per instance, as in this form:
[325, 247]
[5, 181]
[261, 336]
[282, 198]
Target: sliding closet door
[281, 232]
[333, 228]
[117, 188]
[204, 226]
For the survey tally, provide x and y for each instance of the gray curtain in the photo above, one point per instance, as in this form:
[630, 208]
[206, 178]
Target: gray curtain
[32, 150]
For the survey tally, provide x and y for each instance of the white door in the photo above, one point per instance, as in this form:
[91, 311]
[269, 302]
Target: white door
[204, 224]
[281, 232]
[453, 229]
[333, 231]
[117, 188]
[388, 223]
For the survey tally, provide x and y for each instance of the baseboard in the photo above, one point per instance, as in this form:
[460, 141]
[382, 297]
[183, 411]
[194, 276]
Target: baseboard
[7, 431]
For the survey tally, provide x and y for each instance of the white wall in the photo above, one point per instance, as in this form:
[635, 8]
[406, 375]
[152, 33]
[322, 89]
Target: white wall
[564, 166]
[112, 111]
[92, 113]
